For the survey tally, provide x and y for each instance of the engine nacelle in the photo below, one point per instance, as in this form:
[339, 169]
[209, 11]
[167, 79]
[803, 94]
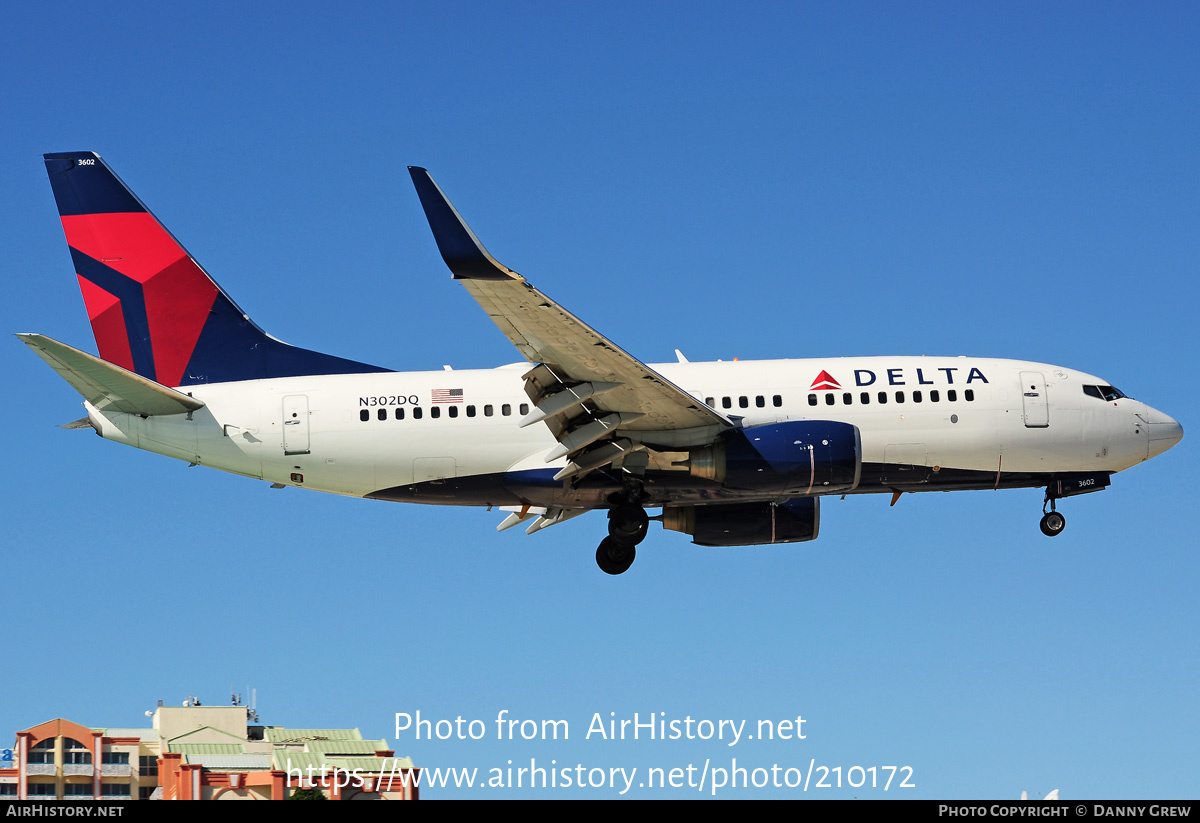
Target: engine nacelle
[747, 524]
[796, 458]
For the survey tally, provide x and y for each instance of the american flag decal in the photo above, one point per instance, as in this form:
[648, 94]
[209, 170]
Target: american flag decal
[447, 396]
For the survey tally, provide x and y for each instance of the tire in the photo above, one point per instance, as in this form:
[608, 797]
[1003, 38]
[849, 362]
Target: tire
[613, 557]
[628, 524]
[1053, 524]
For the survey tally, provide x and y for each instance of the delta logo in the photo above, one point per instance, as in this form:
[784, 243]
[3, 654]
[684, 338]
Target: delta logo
[896, 377]
[824, 382]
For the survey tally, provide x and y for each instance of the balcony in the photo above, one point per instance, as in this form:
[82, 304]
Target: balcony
[115, 770]
[78, 769]
[39, 768]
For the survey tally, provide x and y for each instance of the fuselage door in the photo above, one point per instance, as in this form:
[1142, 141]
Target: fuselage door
[295, 424]
[1033, 400]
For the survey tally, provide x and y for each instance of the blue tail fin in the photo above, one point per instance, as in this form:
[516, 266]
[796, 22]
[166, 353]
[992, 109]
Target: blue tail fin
[153, 309]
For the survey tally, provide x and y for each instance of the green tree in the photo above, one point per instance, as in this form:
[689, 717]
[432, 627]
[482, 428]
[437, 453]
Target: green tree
[307, 794]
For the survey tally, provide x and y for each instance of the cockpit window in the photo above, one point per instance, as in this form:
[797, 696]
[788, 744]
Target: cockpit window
[1109, 393]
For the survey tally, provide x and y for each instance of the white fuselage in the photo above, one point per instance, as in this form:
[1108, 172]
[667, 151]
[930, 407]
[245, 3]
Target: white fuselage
[358, 434]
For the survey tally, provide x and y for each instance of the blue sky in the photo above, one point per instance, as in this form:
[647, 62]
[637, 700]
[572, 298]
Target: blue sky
[778, 180]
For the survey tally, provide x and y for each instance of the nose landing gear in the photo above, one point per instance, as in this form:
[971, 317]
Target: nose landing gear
[1068, 486]
[1052, 522]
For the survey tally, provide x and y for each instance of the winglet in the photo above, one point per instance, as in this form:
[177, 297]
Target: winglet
[460, 248]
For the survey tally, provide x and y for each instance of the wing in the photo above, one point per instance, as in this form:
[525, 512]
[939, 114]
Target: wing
[602, 404]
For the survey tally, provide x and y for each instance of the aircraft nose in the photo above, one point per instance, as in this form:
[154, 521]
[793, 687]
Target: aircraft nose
[1164, 432]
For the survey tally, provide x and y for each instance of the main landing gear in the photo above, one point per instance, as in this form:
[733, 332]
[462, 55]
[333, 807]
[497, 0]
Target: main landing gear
[1052, 522]
[627, 526]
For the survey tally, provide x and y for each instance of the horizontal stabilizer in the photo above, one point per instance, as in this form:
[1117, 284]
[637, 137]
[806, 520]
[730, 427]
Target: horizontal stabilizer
[109, 387]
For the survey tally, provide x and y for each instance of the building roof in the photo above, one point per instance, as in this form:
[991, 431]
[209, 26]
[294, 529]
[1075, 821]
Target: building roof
[278, 734]
[372, 764]
[347, 747]
[231, 762]
[284, 759]
[206, 748]
[204, 731]
[143, 734]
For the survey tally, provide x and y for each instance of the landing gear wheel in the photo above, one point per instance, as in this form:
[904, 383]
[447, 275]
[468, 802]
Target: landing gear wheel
[628, 524]
[1053, 524]
[613, 557]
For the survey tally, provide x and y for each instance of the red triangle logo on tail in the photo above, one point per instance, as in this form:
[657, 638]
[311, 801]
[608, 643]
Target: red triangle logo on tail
[824, 382]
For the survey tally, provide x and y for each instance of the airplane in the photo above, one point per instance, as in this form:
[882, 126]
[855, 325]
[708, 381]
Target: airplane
[733, 452]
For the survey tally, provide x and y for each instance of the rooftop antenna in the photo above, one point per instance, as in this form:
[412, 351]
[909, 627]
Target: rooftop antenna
[252, 709]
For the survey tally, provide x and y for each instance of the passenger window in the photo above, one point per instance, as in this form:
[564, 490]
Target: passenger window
[417, 412]
[934, 396]
[381, 414]
[864, 398]
[829, 401]
[364, 415]
[847, 399]
[524, 409]
[711, 402]
[760, 401]
[452, 411]
[899, 397]
[399, 413]
[506, 409]
[470, 411]
[969, 394]
[435, 412]
[882, 397]
[777, 400]
[727, 402]
[812, 400]
[916, 397]
[951, 395]
[487, 410]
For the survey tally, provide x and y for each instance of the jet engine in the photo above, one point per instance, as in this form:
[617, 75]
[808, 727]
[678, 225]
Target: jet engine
[795, 458]
[747, 524]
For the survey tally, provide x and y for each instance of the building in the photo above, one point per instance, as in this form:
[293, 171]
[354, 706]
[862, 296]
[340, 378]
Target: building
[197, 752]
